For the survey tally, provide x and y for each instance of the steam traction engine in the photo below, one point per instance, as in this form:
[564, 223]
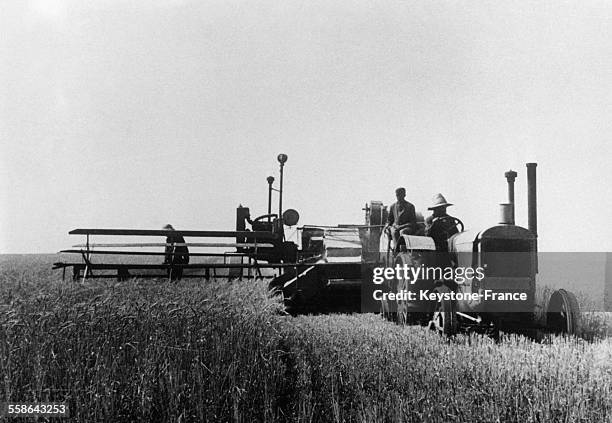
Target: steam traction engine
[507, 255]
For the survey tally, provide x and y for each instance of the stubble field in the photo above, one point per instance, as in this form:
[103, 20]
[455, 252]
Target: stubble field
[148, 350]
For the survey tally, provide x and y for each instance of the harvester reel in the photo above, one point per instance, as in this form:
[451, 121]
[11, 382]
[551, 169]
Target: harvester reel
[563, 313]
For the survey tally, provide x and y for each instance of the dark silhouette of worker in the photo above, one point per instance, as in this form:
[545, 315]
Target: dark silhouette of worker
[439, 225]
[175, 254]
[401, 219]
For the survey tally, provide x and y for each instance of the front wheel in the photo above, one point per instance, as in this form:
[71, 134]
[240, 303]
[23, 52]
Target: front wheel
[563, 313]
[386, 313]
[445, 318]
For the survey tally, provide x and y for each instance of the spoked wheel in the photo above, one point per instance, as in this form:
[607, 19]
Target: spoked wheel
[444, 318]
[386, 307]
[402, 306]
[405, 316]
[563, 313]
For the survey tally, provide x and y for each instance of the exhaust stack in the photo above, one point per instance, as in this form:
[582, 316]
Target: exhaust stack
[532, 206]
[508, 209]
[532, 200]
[506, 214]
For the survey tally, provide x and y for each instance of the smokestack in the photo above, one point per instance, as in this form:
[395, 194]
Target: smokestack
[270, 180]
[510, 177]
[506, 214]
[532, 200]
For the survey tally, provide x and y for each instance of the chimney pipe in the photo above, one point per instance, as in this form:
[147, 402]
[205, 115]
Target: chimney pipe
[282, 158]
[270, 180]
[532, 201]
[506, 214]
[510, 177]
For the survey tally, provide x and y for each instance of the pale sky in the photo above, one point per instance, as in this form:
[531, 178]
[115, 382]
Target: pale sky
[137, 114]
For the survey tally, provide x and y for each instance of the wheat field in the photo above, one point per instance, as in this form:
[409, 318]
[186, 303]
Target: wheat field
[219, 350]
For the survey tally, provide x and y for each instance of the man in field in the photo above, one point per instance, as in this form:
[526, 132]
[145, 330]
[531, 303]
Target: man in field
[175, 254]
[402, 218]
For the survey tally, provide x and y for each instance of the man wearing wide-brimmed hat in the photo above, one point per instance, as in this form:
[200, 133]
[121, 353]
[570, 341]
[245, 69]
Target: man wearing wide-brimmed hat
[402, 218]
[439, 225]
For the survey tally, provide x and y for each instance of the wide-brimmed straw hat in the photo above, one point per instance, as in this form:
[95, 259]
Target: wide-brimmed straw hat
[438, 201]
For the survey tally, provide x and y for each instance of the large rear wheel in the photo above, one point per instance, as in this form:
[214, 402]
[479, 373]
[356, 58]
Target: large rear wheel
[387, 311]
[400, 285]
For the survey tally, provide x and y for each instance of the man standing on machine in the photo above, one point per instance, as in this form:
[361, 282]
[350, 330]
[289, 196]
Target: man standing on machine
[440, 225]
[176, 253]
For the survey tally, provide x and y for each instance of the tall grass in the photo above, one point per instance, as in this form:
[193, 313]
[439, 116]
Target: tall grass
[223, 351]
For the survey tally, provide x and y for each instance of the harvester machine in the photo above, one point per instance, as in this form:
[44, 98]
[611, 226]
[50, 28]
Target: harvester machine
[339, 269]
[359, 268]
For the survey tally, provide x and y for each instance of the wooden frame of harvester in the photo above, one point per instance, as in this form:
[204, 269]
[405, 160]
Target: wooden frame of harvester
[264, 242]
[333, 269]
